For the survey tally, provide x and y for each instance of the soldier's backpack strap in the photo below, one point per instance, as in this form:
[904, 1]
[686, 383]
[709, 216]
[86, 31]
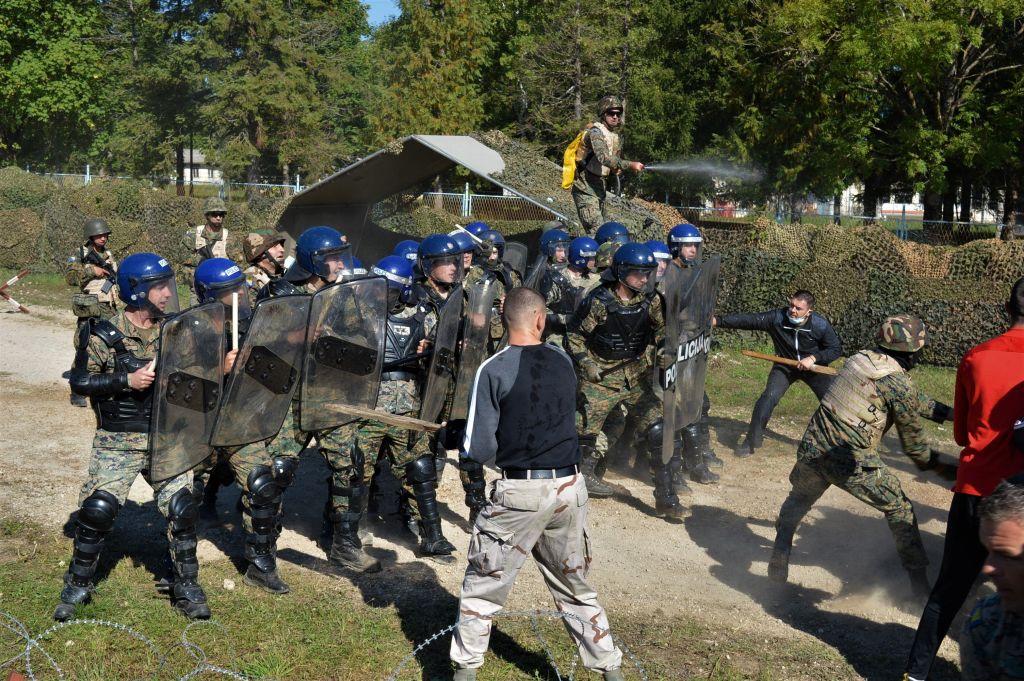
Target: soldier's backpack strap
[96, 385]
[109, 334]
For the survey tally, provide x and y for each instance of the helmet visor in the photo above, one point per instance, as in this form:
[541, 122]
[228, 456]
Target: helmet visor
[159, 294]
[225, 294]
[445, 269]
[329, 263]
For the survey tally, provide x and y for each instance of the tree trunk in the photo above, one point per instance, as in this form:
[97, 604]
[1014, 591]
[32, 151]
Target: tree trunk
[286, 178]
[872, 188]
[837, 208]
[1011, 199]
[949, 204]
[578, 68]
[932, 205]
[966, 199]
[179, 168]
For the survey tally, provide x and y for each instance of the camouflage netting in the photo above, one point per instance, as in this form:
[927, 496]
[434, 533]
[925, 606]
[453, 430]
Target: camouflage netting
[43, 222]
[859, 275]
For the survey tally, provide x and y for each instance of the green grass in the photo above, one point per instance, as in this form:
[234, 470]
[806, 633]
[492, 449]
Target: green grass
[334, 628]
[47, 289]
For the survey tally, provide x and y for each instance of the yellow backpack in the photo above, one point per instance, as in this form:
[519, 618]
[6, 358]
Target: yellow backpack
[571, 157]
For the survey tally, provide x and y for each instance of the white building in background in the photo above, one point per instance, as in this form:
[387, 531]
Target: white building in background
[198, 171]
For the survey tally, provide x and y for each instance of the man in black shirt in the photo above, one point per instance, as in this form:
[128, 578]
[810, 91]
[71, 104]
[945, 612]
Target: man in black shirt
[798, 333]
[522, 414]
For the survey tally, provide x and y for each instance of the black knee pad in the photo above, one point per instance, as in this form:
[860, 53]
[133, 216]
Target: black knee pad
[654, 433]
[421, 470]
[99, 510]
[283, 470]
[263, 489]
[183, 507]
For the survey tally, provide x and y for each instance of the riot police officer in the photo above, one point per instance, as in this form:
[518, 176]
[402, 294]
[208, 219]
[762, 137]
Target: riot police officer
[685, 242]
[466, 246]
[612, 231]
[113, 368]
[409, 329]
[609, 338]
[560, 295]
[263, 479]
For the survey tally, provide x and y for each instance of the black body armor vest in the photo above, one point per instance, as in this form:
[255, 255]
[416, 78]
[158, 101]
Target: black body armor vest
[402, 335]
[627, 331]
[126, 411]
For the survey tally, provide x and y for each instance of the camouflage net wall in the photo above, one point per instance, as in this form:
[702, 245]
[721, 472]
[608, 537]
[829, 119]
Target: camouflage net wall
[43, 222]
[859, 275]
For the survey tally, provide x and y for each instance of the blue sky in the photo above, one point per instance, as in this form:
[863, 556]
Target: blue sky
[381, 10]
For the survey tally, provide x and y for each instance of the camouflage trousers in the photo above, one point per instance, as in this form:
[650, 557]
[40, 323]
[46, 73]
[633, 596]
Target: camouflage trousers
[589, 193]
[548, 520]
[369, 440]
[876, 487]
[290, 441]
[595, 402]
[242, 461]
[117, 459]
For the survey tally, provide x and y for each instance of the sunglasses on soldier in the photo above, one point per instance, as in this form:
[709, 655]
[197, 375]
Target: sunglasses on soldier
[613, 114]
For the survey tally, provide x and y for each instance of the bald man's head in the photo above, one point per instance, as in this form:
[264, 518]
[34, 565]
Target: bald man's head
[522, 306]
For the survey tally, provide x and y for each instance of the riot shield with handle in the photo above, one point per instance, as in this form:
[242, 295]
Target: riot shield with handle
[537, 272]
[344, 352]
[186, 393]
[689, 296]
[476, 330]
[443, 362]
[517, 256]
[258, 391]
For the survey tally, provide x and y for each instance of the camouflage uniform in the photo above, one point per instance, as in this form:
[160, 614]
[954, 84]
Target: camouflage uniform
[834, 451]
[203, 243]
[623, 381]
[992, 643]
[98, 296]
[599, 155]
[574, 288]
[118, 458]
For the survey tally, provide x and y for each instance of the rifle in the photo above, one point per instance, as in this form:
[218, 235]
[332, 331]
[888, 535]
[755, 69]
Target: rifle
[828, 371]
[91, 257]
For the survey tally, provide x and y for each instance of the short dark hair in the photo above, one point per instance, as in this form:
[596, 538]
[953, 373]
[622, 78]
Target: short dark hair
[521, 305]
[804, 295]
[1005, 503]
[1015, 305]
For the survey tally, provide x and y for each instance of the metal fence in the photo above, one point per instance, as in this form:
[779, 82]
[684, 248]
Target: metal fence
[485, 206]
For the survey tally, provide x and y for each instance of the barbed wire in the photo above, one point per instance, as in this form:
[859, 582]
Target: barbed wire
[204, 666]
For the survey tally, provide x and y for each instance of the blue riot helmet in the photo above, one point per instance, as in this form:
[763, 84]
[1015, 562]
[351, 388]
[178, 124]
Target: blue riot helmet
[354, 270]
[633, 259]
[406, 249]
[218, 279]
[324, 252]
[582, 250]
[612, 231]
[496, 239]
[551, 241]
[435, 254]
[477, 227]
[463, 240]
[146, 281]
[661, 254]
[398, 272]
[682, 235]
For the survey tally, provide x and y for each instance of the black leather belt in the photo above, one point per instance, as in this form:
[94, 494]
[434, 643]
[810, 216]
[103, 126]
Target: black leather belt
[398, 376]
[540, 473]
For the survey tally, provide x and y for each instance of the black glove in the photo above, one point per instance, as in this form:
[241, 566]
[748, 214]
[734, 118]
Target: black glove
[452, 433]
[941, 412]
[943, 470]
[474, 484]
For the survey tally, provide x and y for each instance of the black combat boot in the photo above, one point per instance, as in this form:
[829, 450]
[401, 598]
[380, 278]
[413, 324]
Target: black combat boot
[675, 465]
[474, 485]
[264, 511]
[346, 548]
[93, 524]
[422, 477]
[778, 564]
[693, 456]
[186, 594]
[666, 503]
[596, 488]
[711, 460]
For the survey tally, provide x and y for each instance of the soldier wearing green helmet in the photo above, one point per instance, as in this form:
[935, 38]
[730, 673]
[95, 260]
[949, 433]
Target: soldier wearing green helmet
[209, 240]
[872, 391]
[599, 157]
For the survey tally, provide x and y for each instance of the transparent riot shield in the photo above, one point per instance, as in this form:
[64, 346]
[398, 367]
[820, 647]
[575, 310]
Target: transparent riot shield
[258, 391]
[443, 362]
[476, 330]
[189, 377]
[517, 257]
[689, 305]
[536, 273]
[344, 352]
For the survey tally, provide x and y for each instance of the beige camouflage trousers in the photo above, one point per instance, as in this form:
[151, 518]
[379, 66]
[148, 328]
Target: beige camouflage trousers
[117, 459]
[548, 519]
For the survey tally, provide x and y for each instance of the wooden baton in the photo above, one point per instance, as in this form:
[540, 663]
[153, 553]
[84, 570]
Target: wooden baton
[407, 422]
[828, 371]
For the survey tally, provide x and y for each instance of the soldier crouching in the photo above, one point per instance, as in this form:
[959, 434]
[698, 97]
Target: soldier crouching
[113, 369]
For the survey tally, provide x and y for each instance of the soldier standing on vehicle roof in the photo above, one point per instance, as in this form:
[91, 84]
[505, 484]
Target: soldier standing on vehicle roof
[113, 368]
[209, 240]
[93, 270]
[597, 158]
[840, 446]
[609, 339]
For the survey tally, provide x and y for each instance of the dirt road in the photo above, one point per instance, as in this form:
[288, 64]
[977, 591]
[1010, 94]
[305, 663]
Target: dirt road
[845, 576]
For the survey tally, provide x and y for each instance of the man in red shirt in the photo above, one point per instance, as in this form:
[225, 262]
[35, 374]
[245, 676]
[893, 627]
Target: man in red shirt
[989, 395]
